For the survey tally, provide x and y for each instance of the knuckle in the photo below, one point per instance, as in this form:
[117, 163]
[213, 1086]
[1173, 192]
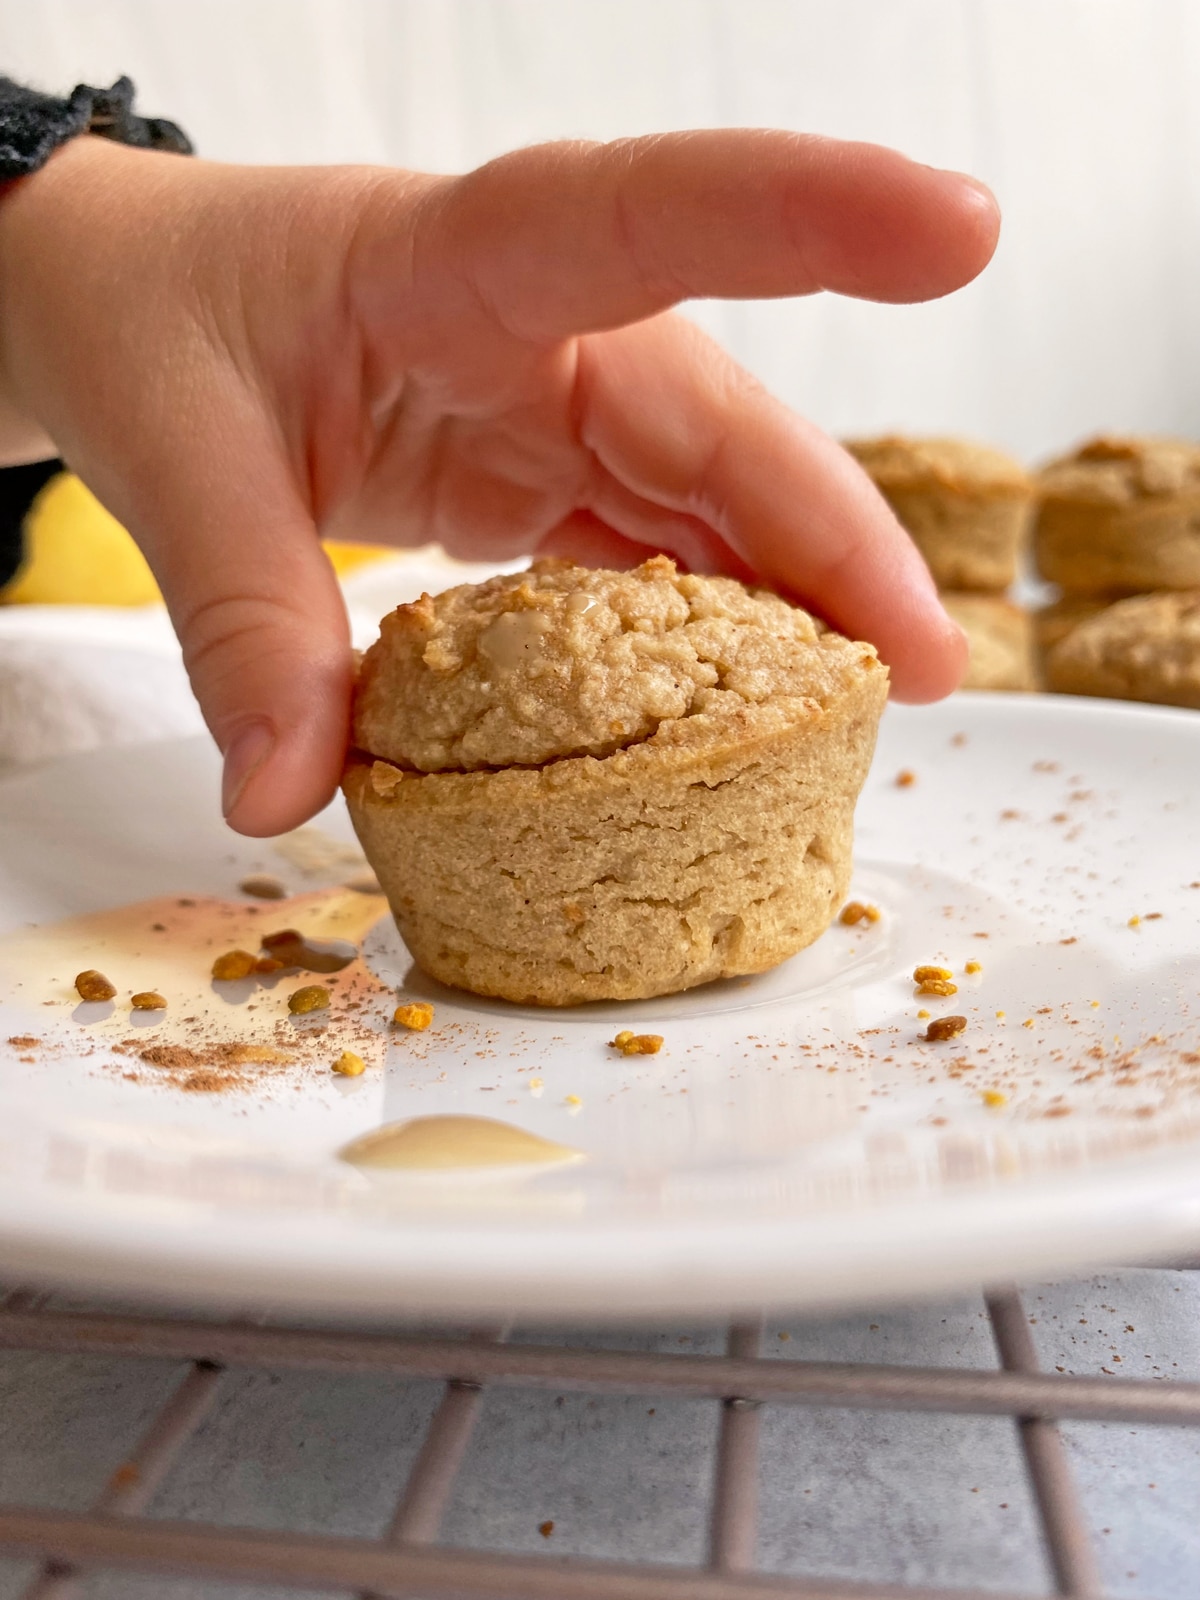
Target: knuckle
[226, 634]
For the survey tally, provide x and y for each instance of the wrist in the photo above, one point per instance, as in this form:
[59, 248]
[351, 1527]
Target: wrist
[38, 215]
[41, 137]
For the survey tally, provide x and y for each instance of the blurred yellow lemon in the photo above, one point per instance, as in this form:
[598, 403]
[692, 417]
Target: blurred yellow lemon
[347, 558]
[77, 554]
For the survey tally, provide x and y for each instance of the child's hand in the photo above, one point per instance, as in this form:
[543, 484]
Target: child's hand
[235, 358]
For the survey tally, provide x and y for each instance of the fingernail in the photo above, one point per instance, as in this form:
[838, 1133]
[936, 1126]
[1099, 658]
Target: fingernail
[244, 754]
[957, 637]
[981, 190]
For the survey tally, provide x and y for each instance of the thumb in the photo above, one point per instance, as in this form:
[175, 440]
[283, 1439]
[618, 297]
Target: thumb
[262, 623]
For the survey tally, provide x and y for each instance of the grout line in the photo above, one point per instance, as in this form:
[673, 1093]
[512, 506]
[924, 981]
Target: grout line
[133, 1485]
[403, 1572]
[1072, 1558]
[849, 1385]
[734, 1525]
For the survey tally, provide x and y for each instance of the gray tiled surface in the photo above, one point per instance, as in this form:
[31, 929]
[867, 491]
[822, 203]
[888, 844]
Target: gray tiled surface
[869, 1496]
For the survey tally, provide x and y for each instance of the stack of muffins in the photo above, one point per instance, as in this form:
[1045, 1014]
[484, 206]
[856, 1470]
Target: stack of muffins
[967, 508]
[1115, 527]
[1118, 530]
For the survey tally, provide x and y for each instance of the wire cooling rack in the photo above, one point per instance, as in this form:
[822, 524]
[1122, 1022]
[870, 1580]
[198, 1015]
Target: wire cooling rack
[116, 1534]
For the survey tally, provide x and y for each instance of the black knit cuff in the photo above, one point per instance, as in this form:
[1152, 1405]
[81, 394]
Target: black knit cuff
[19, 488]
[33, 125]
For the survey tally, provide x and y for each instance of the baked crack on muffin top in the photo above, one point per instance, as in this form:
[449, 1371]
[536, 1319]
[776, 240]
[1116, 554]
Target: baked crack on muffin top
[563, 661]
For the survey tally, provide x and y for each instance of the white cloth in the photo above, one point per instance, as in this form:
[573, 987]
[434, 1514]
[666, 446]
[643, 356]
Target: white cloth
[76, 677]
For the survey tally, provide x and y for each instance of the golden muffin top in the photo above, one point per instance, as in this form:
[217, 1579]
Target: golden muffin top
[561, 661]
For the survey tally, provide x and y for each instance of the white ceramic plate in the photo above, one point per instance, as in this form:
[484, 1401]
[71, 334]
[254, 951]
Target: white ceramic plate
[794, 1143]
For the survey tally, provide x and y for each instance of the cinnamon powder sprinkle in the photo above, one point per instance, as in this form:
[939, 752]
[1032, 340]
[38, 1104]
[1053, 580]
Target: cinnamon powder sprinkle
[204, 1082]
[211, 1068]
[170, 1056]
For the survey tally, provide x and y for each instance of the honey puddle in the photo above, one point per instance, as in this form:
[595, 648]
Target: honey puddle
[440, 1144]
[168, 945]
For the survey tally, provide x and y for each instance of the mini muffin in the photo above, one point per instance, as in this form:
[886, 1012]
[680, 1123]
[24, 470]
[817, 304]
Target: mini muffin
[1000, 640]
[965, 506]
[582, 785]
[1121, 514]
[1145, 648]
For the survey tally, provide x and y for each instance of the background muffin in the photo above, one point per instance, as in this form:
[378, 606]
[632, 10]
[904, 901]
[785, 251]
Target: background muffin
[965, 506]
[1121, 514]
[1146, 648]
[1056, 619]
[1000, 639]
[579, 785]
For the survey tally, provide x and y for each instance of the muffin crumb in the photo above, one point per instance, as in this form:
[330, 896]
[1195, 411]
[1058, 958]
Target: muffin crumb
[234, 964]
[415, 1015]
[945, 1028]
[310, 997]
[262, 886]
[855, 911]
[629, 1043]
[93, 985]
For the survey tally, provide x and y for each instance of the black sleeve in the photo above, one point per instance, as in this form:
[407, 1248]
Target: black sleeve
[33, 125]
[19, 488]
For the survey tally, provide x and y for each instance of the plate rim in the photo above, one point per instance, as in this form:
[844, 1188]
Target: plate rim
[1154, 1215]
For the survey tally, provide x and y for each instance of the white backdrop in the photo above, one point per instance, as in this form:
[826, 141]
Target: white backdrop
[1082, 114]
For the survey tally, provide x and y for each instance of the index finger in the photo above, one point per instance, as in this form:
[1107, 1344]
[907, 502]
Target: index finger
[673, 420]
[564, 239]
